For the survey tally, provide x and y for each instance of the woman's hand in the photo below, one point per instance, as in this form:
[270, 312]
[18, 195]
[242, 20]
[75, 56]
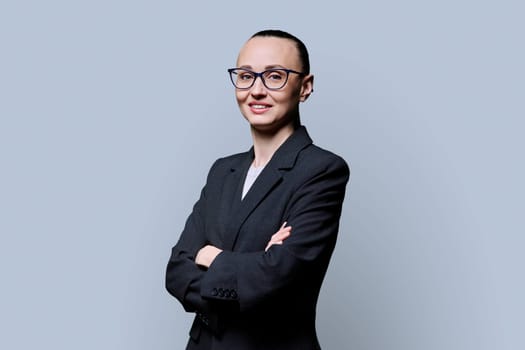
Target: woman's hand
[279, 236]
[206, 255]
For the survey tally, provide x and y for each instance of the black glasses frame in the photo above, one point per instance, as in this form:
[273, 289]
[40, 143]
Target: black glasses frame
[260, 75]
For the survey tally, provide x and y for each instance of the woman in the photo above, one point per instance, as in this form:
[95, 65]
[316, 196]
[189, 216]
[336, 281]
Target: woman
[255, 249]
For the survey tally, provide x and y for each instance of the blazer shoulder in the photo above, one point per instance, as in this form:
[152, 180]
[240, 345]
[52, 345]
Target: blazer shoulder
[229, 162]
[318, 157]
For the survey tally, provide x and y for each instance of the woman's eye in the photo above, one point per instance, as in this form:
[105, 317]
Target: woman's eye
[275, 76]
[245, 76]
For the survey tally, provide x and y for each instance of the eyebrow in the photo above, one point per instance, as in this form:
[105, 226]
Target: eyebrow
[271, 66]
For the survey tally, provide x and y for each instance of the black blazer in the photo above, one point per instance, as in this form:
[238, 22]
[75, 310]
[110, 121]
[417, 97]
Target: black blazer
[249, 298]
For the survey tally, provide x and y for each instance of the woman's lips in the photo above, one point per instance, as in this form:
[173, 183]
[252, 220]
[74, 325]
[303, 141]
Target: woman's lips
[259, 108]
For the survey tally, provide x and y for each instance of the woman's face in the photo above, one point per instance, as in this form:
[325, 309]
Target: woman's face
[270, 110]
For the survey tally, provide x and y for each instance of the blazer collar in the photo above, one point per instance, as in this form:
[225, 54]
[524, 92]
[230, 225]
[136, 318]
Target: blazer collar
[284, 158]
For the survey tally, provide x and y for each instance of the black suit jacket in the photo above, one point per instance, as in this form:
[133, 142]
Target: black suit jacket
[249, 298]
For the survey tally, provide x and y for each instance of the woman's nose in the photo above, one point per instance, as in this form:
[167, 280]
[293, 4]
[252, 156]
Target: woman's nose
[258, 87]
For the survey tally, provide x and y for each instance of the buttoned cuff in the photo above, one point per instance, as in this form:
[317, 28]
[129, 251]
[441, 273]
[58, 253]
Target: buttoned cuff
[220, 281]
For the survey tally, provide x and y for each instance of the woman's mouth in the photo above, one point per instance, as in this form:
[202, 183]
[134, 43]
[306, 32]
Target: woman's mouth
[259, 108]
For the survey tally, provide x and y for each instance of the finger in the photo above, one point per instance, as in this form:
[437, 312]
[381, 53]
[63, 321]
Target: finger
[278, 236]
[284, 234]
[272, 243]
[286, 229]
[277, 240]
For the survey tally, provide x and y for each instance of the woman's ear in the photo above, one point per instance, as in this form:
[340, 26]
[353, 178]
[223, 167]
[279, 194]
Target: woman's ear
[307, 87]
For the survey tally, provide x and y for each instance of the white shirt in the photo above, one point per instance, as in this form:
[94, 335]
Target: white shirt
[251, 176]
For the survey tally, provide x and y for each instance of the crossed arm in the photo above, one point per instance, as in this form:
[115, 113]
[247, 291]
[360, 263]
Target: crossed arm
[208, 253]
[248, 279]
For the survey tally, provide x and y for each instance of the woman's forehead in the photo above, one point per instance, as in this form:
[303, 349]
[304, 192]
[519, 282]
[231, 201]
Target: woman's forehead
[260, 52]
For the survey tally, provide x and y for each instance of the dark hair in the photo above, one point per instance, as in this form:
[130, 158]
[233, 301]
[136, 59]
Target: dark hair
[301, 47]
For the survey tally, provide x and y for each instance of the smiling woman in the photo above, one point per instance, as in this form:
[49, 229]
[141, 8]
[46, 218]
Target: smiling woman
[254, 252]
[279, 105]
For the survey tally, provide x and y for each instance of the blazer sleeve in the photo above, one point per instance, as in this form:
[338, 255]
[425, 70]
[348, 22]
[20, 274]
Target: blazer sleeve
[183, 276]
[314, 212]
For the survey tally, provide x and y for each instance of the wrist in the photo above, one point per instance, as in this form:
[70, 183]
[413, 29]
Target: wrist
[207, 255]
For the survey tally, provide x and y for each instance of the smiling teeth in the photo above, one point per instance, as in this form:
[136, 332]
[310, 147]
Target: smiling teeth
[259, 106]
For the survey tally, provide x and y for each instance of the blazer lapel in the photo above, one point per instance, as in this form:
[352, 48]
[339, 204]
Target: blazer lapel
[237, 182]
[270, 177]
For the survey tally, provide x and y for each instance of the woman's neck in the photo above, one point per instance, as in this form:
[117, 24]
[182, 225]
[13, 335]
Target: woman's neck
[265, 144]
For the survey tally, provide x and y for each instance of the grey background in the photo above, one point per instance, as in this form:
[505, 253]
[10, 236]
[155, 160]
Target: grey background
[113, 111]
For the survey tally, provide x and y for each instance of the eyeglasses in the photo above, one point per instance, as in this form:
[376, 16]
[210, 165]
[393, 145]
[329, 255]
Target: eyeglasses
[273, 79]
